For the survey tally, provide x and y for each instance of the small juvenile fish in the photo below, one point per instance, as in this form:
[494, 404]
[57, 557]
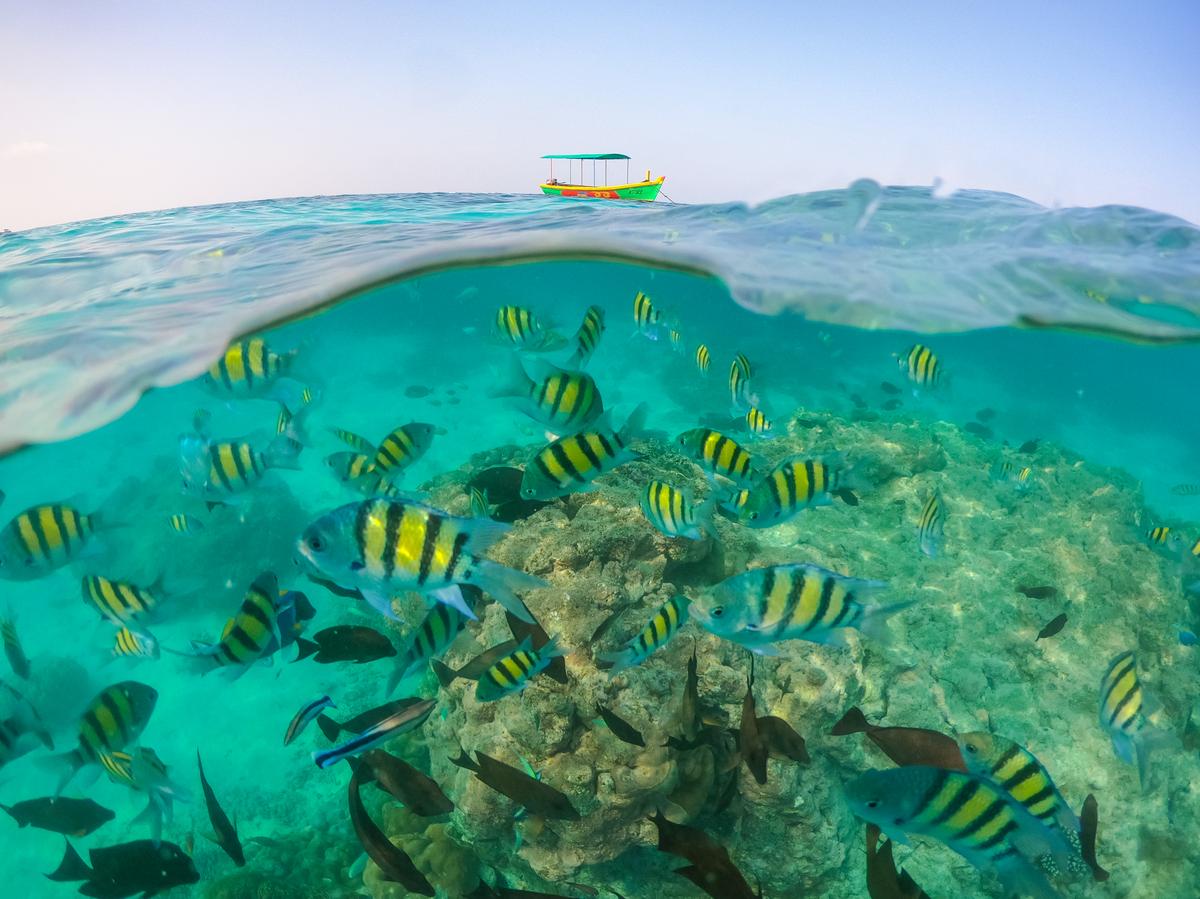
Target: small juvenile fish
[931, 525]
[42, 539]
[225, 831]
[664, 624]
[1161, 537]
[904, 745]
[354, 441]
[921, 366]
[672, 510]
[1089, 816]
[185, 524]
[792, 486]
[587, 338]
[763, 606]
[1018, 476]
[17, 660]
[429, 641]
[758, 423]
[384, 547]
[119, 601]
[564, 401]
[570, 464]
[519, 327]
[717, 455]
[891, 406]
[620, 728]
[970, 815]
[1029, 446]
[740, 394]
[513, 673]
[135, 644]
[248, 368]
[1186, 490]
[1123, 715]
[60, 814]
[402, 447]
[347, 643]
[703, 358]
[140, 867]
[480, 507]
[1053, 626]
[1038, 592]
[401, 722]
[647, 319]
[305, 716]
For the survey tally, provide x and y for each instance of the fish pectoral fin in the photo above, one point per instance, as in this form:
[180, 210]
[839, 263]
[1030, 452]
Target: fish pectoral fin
[765, 649]
[381, 603]
[453, 597]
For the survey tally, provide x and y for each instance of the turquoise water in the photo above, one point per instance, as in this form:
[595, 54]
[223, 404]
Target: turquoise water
[1075, 328]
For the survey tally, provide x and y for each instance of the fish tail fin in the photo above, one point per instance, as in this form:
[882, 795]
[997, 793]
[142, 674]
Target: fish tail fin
[551, 650]
[284, 452]
[151, 815]
[72, 867]
[1146, 744]
[65, 765]
[1019, 877]
[404, 674]
[635, 425]
[502, 583]
[618, 660]
[853, 722]
[305, 648]
[297, 425]
[875, 619]
[513, 381]
[329, 728]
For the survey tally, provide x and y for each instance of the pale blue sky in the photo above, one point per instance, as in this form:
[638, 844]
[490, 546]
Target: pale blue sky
[122, 106]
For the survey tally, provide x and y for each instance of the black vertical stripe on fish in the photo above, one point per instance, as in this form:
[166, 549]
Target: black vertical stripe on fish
[223, 828]
[1052, 627]
[621, 728]
[1088, 819]
[557, 669]
[394, 864]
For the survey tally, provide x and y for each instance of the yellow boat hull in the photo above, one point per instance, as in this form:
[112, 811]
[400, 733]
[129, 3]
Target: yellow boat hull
[639, 190]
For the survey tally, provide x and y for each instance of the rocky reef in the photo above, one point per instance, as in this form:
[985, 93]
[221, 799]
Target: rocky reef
[965, 657]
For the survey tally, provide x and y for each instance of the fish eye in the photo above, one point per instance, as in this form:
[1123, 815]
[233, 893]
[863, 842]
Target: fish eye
[314, 543]
[753, 516]
[873, 804]
[971, 748]
[718, 611]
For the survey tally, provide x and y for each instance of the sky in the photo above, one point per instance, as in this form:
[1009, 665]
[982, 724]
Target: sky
[116, 107]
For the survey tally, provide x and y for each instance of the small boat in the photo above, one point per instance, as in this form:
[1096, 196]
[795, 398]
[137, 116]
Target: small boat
[646, 190]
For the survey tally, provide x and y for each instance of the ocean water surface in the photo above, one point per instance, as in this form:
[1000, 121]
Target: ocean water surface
[983, 409]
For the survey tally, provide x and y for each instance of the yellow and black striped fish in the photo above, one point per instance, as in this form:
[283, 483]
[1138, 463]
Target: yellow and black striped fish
[763, 606]
[386, 547]
[514, 672]
[665, 623]
[13, 651]
[758, 423]
[350, 467]
[119, 601]
[587, 337]
[354, 441]
[1163, 538]
[970, 814]
[251, 632]
[248, 368]
[733, 502]
[739, 383]
[671, 510]
[931, 525]
[133, 644]
[792, 486]
[432, 637]
[717, 454]
[42, 539]
[920, 366]
[221, 469]
[1018, 773]
[703, 358]
[520, 328]
[185, 524]
[646, 318]
[402, 447]
[565, 401]
[676, 341]
[1123, 713]
[114, 719]
[570, 464]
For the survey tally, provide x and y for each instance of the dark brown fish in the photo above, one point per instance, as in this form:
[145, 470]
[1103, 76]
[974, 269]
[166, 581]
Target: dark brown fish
[807, 422]
[502, 483]
[539, 798]
[474, 669]
[689, 708]
[726, 796]
[754, 749]
[889, 388]
[140, 867]
[346, 592]
[621, 728]
[1044, 592]
[892, 405]
[883, 881]
[904, 745]
[1089, 817]
[782, 740]
[416, 391]
[985, 414]
[1029, 446]
[517, 510]
[224, 831]
[393, 862]
[418, 791]
[445, 674]
[846, 495]
[1053, 626]
[711, 868]
[60, 814]
[608, 622]
[557, 669]
[364, 720]
[859, 402]
[347, 643]
[981, 431]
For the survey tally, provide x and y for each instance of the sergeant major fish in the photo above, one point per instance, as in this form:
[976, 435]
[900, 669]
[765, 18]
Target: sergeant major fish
[662, 626]
[223, 470]
[566, 401]
[513, 673]
[763, 606]
[120, 602]
[431, 638]
[703, 358]
[1123, 715]
[931, 525]
[757, 423]
[740, 394]
[386, 547]
[44, 538]
[13, 651]
[248, 368]
[143, 771]
[570, 464]
[673, 511]
[402, 447]
[249, 635]
[647, 319]
[114, 719]
[920, 366]
[520, 328]
[587, 337]
[794, 485]
[717, 454]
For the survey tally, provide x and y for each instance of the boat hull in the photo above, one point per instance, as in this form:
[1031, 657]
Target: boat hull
[646, 191]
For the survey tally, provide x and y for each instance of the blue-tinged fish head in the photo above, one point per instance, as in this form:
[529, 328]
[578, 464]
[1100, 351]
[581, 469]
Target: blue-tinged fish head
[141, 699]
[329, 548]
[536, 485]
[194, 463]
[722, 615]
[889, 799]
[981, 750]
[760, 509]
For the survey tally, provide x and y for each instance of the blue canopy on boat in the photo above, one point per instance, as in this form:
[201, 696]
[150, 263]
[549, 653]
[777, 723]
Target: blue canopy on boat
[586, 156]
